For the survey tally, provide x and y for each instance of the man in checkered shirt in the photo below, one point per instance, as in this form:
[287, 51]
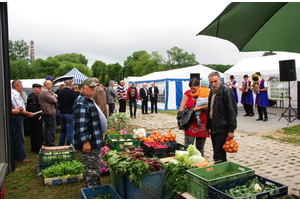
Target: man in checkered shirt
[89, 128]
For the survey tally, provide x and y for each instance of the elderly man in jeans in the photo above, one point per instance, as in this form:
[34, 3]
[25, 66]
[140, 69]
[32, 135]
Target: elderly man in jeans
[89, 127]
[66, 99]
[18, 119]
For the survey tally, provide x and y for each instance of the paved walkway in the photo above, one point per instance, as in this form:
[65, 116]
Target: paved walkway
[273, 159]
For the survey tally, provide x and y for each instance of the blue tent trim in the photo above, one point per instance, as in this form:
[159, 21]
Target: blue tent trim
[78, 76]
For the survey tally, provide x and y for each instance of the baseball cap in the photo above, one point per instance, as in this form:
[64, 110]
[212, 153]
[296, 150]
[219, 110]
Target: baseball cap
[49, 78]
[36, 85]
[110, 82]
[89, 82]
[204, 82]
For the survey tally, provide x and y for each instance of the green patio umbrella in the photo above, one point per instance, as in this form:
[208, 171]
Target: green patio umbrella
[259, 26]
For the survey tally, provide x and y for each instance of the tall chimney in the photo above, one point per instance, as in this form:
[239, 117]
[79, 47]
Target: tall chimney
[32, 50]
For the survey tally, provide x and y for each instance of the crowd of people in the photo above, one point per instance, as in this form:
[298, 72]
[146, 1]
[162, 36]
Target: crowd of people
[83, 114]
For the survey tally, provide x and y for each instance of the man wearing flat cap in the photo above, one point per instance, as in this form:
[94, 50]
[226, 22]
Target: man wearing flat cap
[89, 128]
[33, 105]
[247, 96]
[111, 97]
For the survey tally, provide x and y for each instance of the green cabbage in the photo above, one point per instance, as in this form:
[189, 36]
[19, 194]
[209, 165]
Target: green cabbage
[182, 155]
[195, 159]
[193, 150]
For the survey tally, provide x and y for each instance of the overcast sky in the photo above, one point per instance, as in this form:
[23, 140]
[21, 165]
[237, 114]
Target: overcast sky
[112, 30]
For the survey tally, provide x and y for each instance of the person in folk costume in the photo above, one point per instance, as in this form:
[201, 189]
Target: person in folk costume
[262, 100]
[247, 96]
[233, 84]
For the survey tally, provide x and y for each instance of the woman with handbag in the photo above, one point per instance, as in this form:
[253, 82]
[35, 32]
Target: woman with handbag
[194, 130]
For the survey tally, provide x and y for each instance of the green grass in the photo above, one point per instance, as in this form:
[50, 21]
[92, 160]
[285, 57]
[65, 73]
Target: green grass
[292, 130]
[170, 112]
[24, 184]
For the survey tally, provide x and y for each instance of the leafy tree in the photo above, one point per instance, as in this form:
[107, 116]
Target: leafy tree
[130, 62]
[99, 70]
[178, 58]
[43, 68]
[20, 69]
[18, 50]
[114, 71]
[106, 81]
[269, 53]
[72, 58]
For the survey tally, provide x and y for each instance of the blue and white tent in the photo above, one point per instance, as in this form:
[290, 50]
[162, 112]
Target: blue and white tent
[171, 84]
[78, 76]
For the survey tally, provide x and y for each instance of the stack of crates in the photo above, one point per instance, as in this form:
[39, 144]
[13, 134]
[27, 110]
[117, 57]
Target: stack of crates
[50, 155]
[198, 179]
[121, 142]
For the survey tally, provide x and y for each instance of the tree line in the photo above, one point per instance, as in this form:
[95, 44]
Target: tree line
[138, 64]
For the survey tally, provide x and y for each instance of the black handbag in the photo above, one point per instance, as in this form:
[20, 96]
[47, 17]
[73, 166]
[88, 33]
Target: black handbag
[184, 118]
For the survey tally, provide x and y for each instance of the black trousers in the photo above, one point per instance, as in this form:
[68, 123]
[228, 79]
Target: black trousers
[122, 104]
[36, 135]
[218, 140]
[132, 101]
[248, 107]
[145, 106]
[153, 104]
[261, 111]
[111, 108]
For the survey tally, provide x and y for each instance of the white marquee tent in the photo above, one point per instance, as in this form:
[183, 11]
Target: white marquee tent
[268, 66]
[171, 84]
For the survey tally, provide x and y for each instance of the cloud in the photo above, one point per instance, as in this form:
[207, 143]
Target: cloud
[111, 31]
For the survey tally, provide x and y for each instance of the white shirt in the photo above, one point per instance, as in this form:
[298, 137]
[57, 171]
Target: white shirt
[16, 99]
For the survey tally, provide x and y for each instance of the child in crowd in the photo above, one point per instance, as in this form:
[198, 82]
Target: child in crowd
[202, 97]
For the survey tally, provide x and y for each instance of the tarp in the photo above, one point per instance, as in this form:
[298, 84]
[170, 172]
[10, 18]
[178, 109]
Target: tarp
[78, 76]
[171, 84]
[268, 66]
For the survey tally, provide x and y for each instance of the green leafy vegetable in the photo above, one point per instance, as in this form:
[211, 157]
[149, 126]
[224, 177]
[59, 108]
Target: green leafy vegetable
[64, 168]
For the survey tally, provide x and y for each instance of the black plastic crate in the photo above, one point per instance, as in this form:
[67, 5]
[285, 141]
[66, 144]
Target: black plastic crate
[152, 152]
[215, 191]
[175, 147]
[41, 167]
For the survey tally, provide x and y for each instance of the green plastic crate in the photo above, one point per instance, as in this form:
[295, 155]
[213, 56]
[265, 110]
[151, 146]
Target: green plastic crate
[122, 145]
[199, 179]
[52, 155]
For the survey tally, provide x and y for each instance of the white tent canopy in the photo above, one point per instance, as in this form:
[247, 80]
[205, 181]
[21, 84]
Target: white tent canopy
[171, 84]
[268, 66]
[78, 76]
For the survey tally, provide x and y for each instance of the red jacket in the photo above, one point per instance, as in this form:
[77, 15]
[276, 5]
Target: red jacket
[129, 94]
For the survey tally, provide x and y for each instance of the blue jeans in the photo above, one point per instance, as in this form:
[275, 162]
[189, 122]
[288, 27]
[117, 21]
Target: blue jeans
[66, 129]
[18, 133]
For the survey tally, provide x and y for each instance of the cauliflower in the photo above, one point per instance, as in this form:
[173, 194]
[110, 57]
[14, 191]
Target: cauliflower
[257, 188]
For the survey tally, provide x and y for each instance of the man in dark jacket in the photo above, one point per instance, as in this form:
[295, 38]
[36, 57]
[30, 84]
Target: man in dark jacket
[66, 99]
[144, 98]
[36, 122]
[153, 90]
[221, 119]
